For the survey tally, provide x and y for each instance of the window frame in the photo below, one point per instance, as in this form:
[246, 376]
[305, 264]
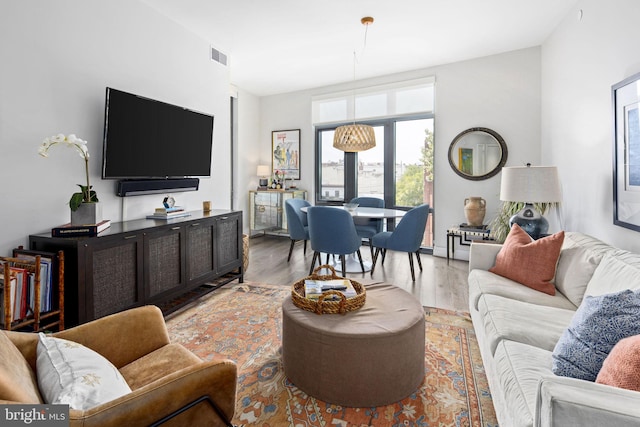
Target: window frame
[350, 160]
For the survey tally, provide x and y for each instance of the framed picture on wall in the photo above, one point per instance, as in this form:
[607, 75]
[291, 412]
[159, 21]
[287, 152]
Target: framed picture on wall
[285, 153]
[626, 162]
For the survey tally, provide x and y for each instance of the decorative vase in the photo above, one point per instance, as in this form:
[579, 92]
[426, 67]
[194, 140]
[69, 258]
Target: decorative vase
[87, 213]
[474, 210]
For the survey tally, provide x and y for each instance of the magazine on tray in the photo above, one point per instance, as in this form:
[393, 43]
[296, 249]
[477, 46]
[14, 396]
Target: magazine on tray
[314, 288]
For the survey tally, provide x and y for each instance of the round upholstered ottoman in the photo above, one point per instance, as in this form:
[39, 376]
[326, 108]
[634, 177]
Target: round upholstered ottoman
[368, 357]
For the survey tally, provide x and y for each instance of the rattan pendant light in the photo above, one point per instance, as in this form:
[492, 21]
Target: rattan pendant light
[355, 137]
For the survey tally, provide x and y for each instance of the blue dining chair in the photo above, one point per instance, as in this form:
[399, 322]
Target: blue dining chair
[332, 231]
[405, 238]
[297, 223]
[368, 227]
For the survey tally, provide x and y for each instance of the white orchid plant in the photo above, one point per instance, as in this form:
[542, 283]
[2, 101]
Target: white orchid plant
[86, 195]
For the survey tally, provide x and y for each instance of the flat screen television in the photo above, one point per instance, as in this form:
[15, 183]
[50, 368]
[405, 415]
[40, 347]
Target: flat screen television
[150, 139]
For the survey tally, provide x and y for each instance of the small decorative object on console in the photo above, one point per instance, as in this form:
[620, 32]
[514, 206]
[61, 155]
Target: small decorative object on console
[168, 202]
[278, 181]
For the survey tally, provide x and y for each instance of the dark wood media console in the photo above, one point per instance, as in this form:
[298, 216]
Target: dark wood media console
[145, 261]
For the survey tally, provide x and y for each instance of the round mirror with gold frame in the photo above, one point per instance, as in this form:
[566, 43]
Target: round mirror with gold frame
[477, 153]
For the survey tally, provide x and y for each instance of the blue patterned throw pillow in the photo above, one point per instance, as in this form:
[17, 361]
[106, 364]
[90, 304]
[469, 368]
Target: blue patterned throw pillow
[598, 324]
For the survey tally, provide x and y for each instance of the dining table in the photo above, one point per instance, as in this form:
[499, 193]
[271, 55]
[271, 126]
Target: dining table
[352, 264]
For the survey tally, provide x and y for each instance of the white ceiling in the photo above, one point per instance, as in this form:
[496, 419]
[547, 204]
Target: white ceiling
[278, 46]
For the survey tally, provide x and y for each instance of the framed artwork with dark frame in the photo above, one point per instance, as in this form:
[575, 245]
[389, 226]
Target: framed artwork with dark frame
[626, 153]
[285, 153]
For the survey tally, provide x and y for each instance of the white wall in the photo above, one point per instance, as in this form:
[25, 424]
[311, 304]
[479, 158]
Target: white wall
[57, 59]
[290, 111]
[249, 151]
[501, 92]
[580, 62]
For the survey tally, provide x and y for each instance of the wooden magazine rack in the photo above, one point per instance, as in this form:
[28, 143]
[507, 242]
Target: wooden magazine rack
[32, 317]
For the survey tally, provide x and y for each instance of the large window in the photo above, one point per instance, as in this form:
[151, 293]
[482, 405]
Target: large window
[400, 167]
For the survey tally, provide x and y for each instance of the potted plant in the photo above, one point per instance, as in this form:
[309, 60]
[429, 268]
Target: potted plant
[84, 204]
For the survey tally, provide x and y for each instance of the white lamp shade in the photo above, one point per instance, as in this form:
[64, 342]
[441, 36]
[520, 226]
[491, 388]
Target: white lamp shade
[354, 138]
[263, 170]
[530, 184]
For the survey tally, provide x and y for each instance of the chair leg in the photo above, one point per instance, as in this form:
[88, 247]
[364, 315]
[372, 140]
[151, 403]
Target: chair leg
[326, 259]
[185, 408]
[360, 258]
[375, 259]
[384, 254]
[413, 275]
[305, 247]
[293, 242]
[316, 255]
[371, 248]
[418, 258]
[344, 265]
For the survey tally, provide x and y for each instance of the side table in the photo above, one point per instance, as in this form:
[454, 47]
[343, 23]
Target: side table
[465, 237]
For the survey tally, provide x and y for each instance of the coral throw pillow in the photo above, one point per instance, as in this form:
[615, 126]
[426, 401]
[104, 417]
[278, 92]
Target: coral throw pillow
[530, 262]
[621, 368]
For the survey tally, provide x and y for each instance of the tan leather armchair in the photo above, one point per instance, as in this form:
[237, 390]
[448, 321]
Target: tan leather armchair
[170, 385]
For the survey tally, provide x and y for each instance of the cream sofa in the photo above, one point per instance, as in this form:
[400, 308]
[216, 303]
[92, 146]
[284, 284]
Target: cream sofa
[518, 327]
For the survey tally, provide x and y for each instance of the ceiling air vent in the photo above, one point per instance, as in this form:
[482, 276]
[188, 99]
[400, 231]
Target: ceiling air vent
[218, 56]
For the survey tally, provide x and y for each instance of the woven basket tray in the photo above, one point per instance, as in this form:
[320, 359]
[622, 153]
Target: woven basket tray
[320, 306]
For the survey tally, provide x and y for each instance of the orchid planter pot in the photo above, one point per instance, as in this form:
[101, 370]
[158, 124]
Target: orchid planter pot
[87, 213]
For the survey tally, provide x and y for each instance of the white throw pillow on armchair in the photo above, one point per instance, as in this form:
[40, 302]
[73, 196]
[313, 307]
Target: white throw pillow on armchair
[72, 374]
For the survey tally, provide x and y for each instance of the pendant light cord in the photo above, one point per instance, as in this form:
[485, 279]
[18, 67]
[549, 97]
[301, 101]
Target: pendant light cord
[354, 87]
[355, 59]
[364, 45]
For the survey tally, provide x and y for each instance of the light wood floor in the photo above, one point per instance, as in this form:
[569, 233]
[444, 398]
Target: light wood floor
[438, 285]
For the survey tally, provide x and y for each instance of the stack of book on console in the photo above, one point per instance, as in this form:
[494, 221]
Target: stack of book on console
[68, 230]
[169, 213]
[314, 288]
[468, 227]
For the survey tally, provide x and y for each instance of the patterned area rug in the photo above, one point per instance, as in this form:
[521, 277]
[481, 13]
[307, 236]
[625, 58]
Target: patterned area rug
[243, 322]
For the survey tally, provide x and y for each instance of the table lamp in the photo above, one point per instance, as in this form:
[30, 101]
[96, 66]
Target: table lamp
[263, 172]
[530, 184]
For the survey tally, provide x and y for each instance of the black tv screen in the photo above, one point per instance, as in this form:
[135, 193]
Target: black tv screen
[145, 138]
